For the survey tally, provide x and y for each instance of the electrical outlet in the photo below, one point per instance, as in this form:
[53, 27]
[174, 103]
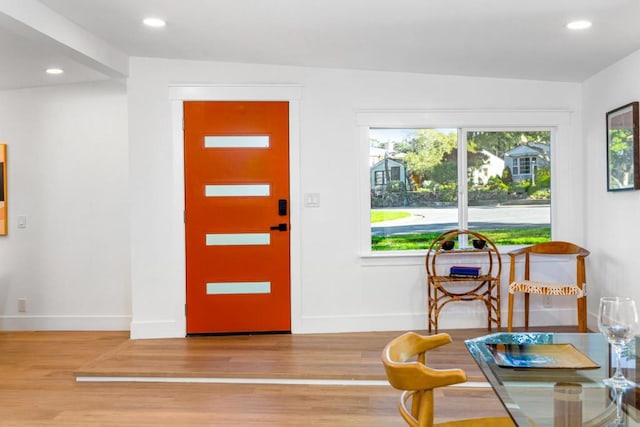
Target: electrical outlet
[22, 305]
[546, 301]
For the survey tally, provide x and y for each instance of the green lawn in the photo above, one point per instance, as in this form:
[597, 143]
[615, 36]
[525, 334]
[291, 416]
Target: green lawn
[386, 215]
[501, 237]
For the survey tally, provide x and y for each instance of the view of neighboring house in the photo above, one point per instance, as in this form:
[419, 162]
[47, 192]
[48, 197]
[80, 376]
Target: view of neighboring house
[525, 159]
[386, 171]
[492, 167]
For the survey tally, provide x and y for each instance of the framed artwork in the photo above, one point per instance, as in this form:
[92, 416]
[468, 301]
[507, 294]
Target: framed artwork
[3, 189]
[623, 150]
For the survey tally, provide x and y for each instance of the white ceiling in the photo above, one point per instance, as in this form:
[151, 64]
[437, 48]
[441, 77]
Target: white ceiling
[492, 38]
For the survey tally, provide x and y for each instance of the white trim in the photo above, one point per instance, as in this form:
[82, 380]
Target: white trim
[463, 190]
[277, 381]
[291, 93]
[464, 315]
[463, 118]
[204, 380]
[177, 95]
[107, 322]
[151, 329]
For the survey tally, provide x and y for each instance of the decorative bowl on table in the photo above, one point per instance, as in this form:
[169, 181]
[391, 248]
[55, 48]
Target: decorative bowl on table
[479, 243]
[448, 245]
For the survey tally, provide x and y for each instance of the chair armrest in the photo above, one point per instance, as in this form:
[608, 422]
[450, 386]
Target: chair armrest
[583, 253]
[429, 342]
[514, 253]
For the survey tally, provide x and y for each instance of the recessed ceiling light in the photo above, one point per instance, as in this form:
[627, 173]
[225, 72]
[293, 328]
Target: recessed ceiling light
[55, 71]
[154, 22]
[578, 25]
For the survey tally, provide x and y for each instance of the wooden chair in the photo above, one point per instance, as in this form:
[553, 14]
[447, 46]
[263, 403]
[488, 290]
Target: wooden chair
[529, 285]
[404, 360]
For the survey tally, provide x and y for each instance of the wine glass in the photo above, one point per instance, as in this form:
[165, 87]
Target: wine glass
[618, 321]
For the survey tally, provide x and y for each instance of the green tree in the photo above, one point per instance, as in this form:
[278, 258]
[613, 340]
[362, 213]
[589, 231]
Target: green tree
[427, 150]
[498, 143]
[620, 157]
[507, 177]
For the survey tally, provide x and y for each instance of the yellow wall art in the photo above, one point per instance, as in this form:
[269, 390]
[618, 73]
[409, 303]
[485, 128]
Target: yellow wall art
[3, 189]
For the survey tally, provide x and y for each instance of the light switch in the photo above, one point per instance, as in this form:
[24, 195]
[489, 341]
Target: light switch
[312, 200]
[22, 221]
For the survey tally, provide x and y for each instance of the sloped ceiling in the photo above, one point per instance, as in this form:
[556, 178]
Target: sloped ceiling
[488, 38]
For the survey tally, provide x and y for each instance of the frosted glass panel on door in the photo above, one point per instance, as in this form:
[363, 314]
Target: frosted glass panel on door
[236, 141]
[238, 239]
[240, 190]
[230, 288]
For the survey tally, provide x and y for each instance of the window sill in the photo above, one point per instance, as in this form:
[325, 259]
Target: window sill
[382, 258]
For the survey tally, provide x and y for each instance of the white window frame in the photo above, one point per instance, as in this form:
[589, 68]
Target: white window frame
[558, 122]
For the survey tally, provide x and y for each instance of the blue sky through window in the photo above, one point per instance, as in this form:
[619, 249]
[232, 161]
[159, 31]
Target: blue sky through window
[395, 135]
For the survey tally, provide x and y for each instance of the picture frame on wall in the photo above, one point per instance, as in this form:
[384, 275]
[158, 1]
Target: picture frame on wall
[623, 148]
[3, 190]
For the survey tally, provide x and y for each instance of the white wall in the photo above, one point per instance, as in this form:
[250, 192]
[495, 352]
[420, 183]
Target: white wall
[69, 155]
[68, 175]
[339, 290]
[611, 218]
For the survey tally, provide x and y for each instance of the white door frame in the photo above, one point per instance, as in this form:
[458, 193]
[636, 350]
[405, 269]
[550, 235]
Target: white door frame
[290, 93]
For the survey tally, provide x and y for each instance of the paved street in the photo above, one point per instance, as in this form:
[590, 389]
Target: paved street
[424, 220]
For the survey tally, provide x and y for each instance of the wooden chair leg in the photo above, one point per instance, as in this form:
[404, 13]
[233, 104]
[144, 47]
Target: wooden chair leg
[510, 313]
[582, 314]
[526, 310]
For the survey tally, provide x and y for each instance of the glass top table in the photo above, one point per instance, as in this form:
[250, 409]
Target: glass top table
[544, 396]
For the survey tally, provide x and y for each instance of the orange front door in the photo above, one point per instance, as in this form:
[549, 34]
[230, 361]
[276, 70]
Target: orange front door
[237, 216]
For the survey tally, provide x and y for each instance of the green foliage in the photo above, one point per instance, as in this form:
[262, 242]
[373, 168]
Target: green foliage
[428, 149]
[501, 237]
[540, 194]
[507, 177]
[620, 157]
[447, 192]
[543, 177]
[445, 173]
[500, 142]
[395, 187]
[522, 186]
[496, 183]
[430, 157]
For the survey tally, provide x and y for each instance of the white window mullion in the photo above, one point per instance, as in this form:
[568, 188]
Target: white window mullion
[463, 197]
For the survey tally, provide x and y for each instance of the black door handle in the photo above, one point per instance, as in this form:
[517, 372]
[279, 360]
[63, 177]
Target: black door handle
[280, 227]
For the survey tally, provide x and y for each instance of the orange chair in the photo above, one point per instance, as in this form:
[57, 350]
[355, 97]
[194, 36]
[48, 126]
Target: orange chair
[404, 360]
[528, 285]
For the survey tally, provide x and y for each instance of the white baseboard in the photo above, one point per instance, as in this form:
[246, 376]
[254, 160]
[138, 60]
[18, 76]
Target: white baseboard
[151, 329]
[65, 323]
[468, 319]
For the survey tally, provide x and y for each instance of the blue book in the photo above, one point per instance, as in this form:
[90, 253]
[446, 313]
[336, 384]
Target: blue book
[460, 271]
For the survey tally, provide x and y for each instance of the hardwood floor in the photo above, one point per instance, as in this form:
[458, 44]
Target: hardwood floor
[38, 384]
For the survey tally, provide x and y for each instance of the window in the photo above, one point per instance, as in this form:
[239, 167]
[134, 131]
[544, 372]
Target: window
[523, 165]
[501, 187]
[395, 173]
[380, 175]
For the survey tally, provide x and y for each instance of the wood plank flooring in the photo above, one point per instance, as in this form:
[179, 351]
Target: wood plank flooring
[38, 384]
